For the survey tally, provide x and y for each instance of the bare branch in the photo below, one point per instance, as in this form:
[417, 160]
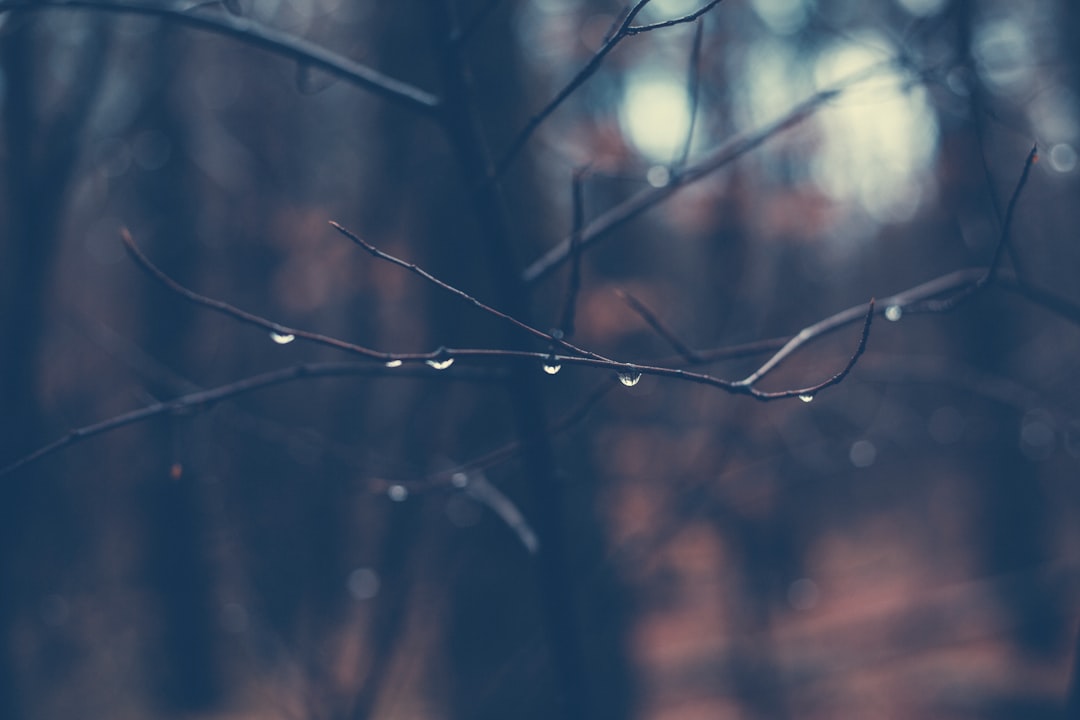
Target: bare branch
[634, 206]
[693, 82]
[624, 30]
[684, 350]
[1006, 227]
[566, 324]
[806, 394]
[419, 271]
[691, 17]
[253, 33]
[242, 315]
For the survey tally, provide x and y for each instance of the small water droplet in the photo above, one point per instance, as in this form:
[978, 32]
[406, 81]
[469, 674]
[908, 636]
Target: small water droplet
[441, 364]
[557, 333]
[806, 397]
[894, 313]
[459, 479]
[630, 379]
[282, 338]
[393, 363]
[551, 367]
[397, 493]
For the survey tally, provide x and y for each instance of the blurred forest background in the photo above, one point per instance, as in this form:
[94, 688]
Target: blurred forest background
[905, 546]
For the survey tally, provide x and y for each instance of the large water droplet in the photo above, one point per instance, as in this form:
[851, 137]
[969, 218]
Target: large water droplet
[282, 338]
[551, 367]
[393, 363]
[441, 364]
[806, 397]
[894, 313]
[397, 493]
[630, 379]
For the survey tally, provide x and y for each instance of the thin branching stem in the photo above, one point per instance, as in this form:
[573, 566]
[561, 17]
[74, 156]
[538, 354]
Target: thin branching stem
[573, 288]
[610, 221]
[624, 29]
[419, 271]
[250, 32]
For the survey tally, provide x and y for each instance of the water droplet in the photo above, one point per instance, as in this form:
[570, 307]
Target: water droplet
[397, 493]
[894, 313]
[551, 367]
[806, 397]
[441, 364]
[282, 338]
[459, 479]
[557, 333]
[630, 379]
[393, 363]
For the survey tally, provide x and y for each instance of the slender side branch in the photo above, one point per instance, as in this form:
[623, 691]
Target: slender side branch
[690, 17]
[253, 33]
[419, 271]
[566, 324]
[204, 399]
[234, 312]
[685, 351]
[1005, 241]
[624, 30]
[634, 206]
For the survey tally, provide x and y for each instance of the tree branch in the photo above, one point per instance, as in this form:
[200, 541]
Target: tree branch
[634, 206]
[624, 30]
[253, 33]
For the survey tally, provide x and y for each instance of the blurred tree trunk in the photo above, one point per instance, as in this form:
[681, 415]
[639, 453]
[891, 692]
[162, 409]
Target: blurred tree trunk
[41, 154]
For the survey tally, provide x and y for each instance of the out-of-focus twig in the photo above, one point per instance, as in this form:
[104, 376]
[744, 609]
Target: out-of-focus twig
[566, 323]
[624, 30]
[624, 212]
[252, 33]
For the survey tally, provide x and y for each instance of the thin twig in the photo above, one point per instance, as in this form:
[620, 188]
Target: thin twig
[809, 392]
[691, 17]
[634, 206]
[1004, 241]
[419, 271]
[253, 33]
[684, 350]
[1006, 227]
[242, 315]
[624, 30]
[566, 324]
[694, 90]
[204, 399]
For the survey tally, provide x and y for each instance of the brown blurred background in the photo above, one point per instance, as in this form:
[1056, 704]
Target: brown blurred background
[905, 546]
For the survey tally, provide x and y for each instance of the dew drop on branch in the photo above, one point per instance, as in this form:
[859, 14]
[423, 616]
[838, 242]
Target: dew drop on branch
[630, 379]
[393, 363]
[282, 338]
[894, 313]
[397, 493]
[441, 364]
[551, 367]
[806, 397]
